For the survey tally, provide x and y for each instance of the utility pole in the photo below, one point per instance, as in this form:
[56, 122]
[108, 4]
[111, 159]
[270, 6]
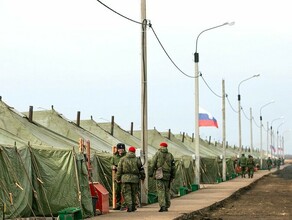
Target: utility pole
[144, 113]
[223, 132]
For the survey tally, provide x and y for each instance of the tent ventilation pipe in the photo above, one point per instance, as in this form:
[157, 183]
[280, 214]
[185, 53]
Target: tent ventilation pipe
[112, 125]
[169, 131]
[78, 119]
[132, 125]
[183, 137]
[30, 113]
[192, 137]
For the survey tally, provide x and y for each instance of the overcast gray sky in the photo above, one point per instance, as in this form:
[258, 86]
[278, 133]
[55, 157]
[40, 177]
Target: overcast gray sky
[79, 56]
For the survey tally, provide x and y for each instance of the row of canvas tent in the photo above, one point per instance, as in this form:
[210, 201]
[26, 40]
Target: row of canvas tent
[42, 171]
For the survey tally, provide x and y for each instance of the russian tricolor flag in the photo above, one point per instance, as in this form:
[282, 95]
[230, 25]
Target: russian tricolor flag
[206, 119]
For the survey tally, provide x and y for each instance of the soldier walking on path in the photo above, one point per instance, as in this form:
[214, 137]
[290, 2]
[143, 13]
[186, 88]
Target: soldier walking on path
[120, 152]
[278, 162]
[250, 166]
[129, 173]
[162, 169]
[269, 163]
[242, 164]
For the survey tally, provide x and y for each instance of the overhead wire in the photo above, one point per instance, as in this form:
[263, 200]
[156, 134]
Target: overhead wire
[163, 48]
[151, 27]
[255, 122]
[209, 86]
[168, 54]
[245, 114]
[230, 103]
[137, 22]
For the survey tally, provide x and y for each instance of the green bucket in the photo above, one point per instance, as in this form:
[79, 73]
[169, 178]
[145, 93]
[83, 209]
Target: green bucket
[71, 213]
[195, 187]
[183, 190]
[152, 198]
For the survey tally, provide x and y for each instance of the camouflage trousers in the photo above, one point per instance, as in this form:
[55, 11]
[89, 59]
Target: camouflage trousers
[243, 171]
[163, 193]
[129, 191]
[250, 171]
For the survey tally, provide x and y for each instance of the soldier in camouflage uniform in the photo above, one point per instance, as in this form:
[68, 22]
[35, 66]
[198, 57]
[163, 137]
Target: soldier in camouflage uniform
[163, 159]
[250, 166]
[278, 162]
[269, 163]
[115, 161]
[129, 173]
[242, 163]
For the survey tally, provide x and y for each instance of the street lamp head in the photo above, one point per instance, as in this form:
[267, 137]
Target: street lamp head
[226, 23]
[282, 117]
[246, 80]
[270, 102]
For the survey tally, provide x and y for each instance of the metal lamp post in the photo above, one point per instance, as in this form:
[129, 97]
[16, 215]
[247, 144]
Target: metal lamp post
[272, 140]
[239, 110]
[283, 143]
[278, 137]
[197, 132]
[261, 132]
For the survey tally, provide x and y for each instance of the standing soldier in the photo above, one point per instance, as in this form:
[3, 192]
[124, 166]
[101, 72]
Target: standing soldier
[117, 186]
[278, 162]
[129, 173]
[242, 164]
[163, 170]
[250, 166]
[269, 163]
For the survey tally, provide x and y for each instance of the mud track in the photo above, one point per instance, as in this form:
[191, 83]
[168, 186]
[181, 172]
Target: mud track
[268, 198]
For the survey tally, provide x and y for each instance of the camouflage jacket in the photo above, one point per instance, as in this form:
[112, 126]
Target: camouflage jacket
[269, 162]
[116, 158]
[242, 161]
[130, 169]
[164, 159]
[250, 163]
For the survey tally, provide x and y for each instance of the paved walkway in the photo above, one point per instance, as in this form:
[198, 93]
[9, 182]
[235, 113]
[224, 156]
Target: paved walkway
[187, 205]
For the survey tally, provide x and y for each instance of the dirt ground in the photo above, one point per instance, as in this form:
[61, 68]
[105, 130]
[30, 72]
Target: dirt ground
[268, 198]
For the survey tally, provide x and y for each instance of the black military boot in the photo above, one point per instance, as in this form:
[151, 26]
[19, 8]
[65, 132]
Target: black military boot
[162, 209]
[117, 208]
[129, 209]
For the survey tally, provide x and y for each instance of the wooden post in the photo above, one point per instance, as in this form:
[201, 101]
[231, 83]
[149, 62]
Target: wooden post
[132, 125]
[114, 150]
[183, 137]
[112, 125]
[88, 158]
[30, 113]
[78, 119]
